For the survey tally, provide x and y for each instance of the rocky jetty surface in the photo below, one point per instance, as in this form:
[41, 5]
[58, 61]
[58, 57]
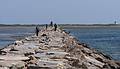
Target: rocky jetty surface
[53, 50]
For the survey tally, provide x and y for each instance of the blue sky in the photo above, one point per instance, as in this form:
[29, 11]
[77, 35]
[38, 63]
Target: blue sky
[60, 11]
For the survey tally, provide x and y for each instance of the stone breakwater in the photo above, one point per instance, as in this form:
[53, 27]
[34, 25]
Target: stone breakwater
[53, 50]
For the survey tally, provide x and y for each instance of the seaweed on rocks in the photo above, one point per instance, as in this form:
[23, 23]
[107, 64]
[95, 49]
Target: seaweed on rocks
[27, 54]
[13, 49]
[2, 52]
[44, 35]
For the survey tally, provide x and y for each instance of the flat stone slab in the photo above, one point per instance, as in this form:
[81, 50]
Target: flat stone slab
[13, 58]
[11, 63]
[49, 63]
[51, 54]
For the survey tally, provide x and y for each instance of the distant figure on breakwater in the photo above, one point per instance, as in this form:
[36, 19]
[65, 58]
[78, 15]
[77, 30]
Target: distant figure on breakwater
[37, 30]
[55, 26]
[115, 22]
[46, 26]
[51, 23]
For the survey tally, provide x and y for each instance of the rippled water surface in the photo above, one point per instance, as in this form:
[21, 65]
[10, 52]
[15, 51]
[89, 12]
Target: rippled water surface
[10, 34]
[104, 39]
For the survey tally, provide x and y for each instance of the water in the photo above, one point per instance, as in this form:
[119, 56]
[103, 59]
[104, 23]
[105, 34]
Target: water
[10, 34]
[106, 40]
[103, 39]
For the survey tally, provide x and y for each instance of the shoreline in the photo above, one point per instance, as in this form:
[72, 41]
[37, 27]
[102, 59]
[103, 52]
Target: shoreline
[65, 26]
[57, 48]
[75, 27]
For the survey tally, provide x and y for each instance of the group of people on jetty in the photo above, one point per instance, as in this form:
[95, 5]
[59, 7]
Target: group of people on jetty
[51, 25]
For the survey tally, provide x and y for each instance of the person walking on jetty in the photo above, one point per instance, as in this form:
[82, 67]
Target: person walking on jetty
[37, 30]
[46, 26]
[55, 27]
[51, 23]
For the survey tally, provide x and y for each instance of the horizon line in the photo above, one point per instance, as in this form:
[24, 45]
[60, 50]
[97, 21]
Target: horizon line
[59, 23]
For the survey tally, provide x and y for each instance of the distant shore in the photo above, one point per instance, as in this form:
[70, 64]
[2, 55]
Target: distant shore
[64, 26]
[76, 27]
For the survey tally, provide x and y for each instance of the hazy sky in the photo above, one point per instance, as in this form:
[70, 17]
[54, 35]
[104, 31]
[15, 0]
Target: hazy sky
[60, 11]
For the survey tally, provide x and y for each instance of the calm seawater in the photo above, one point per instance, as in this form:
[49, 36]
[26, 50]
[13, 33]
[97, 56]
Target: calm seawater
[10, 34]
[106, 40]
